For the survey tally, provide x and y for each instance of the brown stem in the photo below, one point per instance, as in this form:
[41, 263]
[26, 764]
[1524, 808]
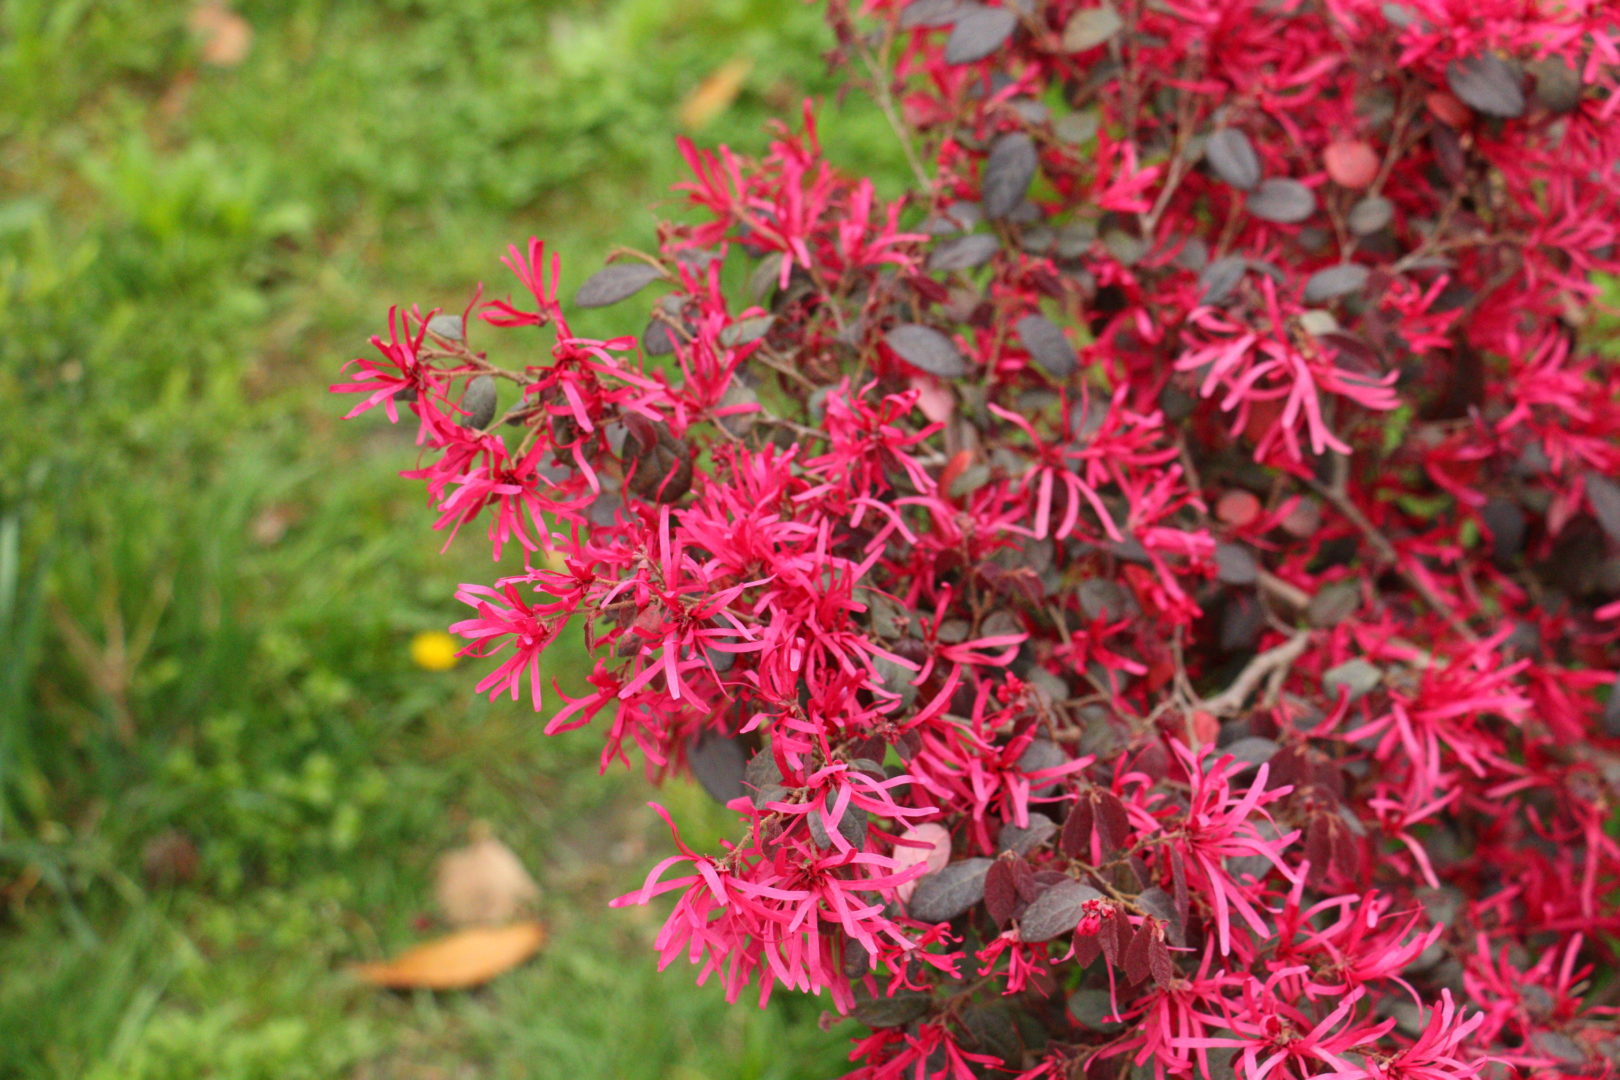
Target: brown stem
[1274, 662]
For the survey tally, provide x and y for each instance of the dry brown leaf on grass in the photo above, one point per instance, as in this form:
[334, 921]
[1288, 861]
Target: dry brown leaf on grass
[483, 883]
[459, 961]
[714, 94]
[226, 36]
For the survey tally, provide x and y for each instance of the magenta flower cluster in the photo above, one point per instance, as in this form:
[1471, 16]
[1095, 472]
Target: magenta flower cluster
[1148, 593]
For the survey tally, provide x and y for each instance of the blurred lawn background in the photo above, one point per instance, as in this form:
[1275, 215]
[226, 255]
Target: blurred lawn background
[208, 584]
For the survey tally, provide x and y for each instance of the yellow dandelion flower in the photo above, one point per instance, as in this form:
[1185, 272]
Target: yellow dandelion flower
[434, 650]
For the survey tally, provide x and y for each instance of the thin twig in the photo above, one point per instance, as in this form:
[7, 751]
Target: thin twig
[885, 102]
[1274, 662]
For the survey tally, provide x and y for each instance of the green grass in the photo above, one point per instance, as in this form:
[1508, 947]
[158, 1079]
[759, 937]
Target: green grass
[208, 584]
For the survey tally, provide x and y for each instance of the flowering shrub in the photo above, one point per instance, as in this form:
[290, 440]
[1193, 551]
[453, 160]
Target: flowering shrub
[1149, 593]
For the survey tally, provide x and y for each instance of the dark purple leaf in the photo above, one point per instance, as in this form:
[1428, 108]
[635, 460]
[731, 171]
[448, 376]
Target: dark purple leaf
[1252, 749]
[1236, 565]
[1047, 345]
[763, 780]
[1398, 14]
[921, 13]
[895, 679]
[1604, 495]
[1286, 202]
[1356, 676]
[1091, 27]
[658, 339]
[1353, 354]
[1370, 215]
[1023, 841]
[1160, 964]
[663, 466]
[745, 331]
[885, 1012]
[1094, 1008]
[1335, 281]
[1220, 277]
[1243, 620]
[1560, 1046]
[449, 327]
[1103, 598]
[1127, 248]
[947, 893]
[739, 423]
[479, 402]
[1076, 127]
[766, 276]
[1008, 172]
[1448, 151]
[1611, 712]
[719, 765]
[1487, 84]
[1231, 154]
[991, 1025]
[852, 826]
[614, 283]
[927, 349]
[1056, 911]
[1504, 520]
[1041, 754]
[1332, 605]
[963, 252]
[962, 215]
[1558, 86]
[978, 34]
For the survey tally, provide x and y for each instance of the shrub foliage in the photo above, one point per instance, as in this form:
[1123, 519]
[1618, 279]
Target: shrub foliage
[1148, 593]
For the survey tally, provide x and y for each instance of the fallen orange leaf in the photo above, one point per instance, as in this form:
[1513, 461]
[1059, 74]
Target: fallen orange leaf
[459, 961]
[715, 93]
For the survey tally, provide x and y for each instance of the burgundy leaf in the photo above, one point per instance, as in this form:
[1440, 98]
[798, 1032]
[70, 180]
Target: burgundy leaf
[1076, 839]
[1160, 963]
[1087, 947]
[1001, 897]
[1113, 822]
[1137, 958]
